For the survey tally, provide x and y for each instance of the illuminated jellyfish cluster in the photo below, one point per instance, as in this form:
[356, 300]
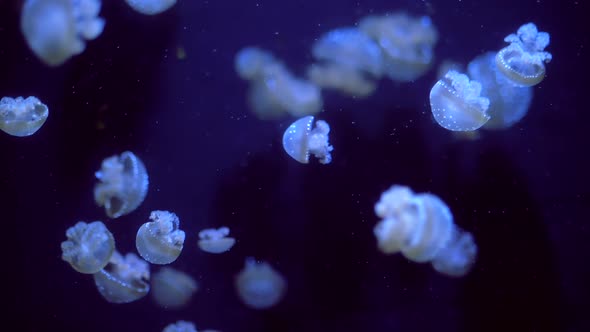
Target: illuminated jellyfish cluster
[22, 116]
[421, 227]
[498, 92]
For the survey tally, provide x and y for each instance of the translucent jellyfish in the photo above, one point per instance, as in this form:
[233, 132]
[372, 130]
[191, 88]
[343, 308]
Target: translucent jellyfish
[406, 42]
[215, 241]
[344, 79]
[172, 289]
[150, 7]
[160, 241]
[123, 184]
[124, 279]
[58, 29]
[22, 117]
[251, 61]
[89, 247]
[259, 286]
[522, 62]
[421, 227]
[300, 140]
[456, 103]
[180, 326]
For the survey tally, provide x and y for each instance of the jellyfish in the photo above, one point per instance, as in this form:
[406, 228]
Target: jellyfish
[421, 227]
[22, 117]
[123, 184]
[180, 326]
[89, 247]
[57, 29]
[124, 279]
[406, 43]
[456, 103]
[259, 286]
[300, 140]
[172, 289]
[215, 241]
[251, 61]
[344, 79]
[160, 241]
[150, 7]
[523, 61]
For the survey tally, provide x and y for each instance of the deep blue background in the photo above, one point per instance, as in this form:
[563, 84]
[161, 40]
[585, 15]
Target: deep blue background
[522, 192]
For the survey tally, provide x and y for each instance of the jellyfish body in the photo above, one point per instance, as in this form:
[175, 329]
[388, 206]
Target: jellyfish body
[300, 140]
[89, 247]
[22, 117]
[259, 286]
[124, 279]
[123, 184]
[457, 104]
[180, 326]
[421, 227]
[150, 7]
[172, 289]
[250, 62]
[215, 241]
[344, 79]
[160, 241]
[57, 29]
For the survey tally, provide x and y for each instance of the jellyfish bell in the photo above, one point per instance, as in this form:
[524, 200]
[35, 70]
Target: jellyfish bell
[259, 286]
[22, 117]
[250, 62]
[180, 326]
[124, 279]
[215, 241]
[171, 288]
[89, 247]
[456, 103]
[160, 241]
[150, 7]
[300, 140]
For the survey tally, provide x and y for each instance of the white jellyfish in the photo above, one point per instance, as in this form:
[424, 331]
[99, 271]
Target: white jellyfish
[259, 286]
[124, 279]
[172, 289]
[150, 7]
[57, 29]
[180, 326]
[89, 247]
[160, 241]
[421, 227]
[22, 117]
[123, 184]
[215, 241]
[300, 140]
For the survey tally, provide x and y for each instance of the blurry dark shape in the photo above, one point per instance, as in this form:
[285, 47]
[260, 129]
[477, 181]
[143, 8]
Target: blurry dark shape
[22, 117]
[89, 247]
[180, 326]
[124, 279]
[300, 140]
[215, 241]
[172, 289]
[260, 286]
[160, 241]
[150, 7]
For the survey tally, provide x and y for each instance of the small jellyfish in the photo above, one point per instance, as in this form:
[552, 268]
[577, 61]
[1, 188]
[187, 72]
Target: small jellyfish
[172, 289]
[522, 62]
[300, 140]
[89, 247]
[22, 117]
[421, 227]
[215, 241]
[259, 286]
[123, 184]
[57, 29]
[160, 241]
[180, 326]
[124, 279]
[150, 7]
[456, 103]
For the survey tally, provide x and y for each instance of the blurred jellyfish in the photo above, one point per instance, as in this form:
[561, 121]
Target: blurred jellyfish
[251, 61]
[57, 29]
[456, 103]
[522, 62]
[89, 247]
[421, 227]
[215, 241]
[299, 140]
[22, 117]
[123, 184]
[150, 7]
[344, 79]
[406, 42]
[259, 286]
[124, 279]
[180, 326]
[172, 289]
[160, 241]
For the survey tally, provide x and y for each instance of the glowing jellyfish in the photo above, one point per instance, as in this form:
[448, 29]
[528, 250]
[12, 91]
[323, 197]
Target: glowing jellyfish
[421, 227]
[456, 103]
[150, 7]
[344, 79]
[124, 279]
[160, 241]
[259, 286]
[57, 29]
[522, 62]
[123, 184]
[180, 326]
[22, 117]
[406, 42]
[300, 140]
[215, 241]
[89, 247]
[172, 289]
[251, 61]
